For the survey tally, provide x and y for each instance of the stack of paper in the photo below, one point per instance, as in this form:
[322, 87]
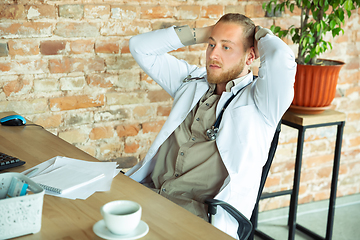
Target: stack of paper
[72, 178]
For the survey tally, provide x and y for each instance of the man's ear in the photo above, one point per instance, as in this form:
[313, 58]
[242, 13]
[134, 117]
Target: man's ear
[250, 56]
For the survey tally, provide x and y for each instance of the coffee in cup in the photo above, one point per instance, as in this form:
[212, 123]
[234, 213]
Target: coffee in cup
[122, 216]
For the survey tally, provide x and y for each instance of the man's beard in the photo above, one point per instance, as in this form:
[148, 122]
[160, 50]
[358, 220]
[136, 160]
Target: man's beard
[227, 76]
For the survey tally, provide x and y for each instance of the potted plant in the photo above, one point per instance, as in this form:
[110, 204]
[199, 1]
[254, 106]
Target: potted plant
[317, 19]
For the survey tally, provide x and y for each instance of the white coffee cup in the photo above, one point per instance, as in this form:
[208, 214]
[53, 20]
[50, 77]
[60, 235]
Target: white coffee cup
[121, 217]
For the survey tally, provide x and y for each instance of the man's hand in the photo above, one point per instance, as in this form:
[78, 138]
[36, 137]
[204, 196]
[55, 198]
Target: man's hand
[257, 28]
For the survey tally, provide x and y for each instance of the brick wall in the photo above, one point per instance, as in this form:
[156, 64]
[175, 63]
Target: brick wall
[66, 66]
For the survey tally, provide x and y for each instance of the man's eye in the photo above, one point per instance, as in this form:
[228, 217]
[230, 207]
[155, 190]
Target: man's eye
[226, 48]
[211, 45]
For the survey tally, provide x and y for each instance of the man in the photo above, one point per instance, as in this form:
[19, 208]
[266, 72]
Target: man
[192, 158]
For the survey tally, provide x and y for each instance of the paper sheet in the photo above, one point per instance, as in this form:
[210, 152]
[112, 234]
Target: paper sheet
[108, 169]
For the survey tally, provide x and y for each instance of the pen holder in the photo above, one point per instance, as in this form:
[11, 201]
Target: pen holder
[20, 215]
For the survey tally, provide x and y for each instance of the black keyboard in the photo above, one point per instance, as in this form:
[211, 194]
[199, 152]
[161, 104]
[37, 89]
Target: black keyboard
[7, 161]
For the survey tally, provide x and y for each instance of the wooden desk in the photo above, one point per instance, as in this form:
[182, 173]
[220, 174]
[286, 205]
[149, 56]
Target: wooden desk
[74, 219]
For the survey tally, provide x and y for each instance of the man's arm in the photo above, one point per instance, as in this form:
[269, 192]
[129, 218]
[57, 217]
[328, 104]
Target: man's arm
[274, 88]
[150, 50]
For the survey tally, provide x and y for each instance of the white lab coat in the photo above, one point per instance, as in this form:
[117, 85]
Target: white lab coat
[247, 126]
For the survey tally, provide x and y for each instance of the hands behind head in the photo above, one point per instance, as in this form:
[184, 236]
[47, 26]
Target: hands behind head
[257, 55]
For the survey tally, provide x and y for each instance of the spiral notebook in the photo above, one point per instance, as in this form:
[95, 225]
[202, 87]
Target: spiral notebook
[65, 179]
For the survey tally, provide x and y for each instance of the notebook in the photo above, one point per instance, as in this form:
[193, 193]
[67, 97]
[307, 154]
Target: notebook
[65, 179]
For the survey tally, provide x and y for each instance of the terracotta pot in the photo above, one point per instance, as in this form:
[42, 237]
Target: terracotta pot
[315, 87]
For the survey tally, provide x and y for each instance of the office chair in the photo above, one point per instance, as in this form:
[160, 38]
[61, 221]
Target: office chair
[246, 227]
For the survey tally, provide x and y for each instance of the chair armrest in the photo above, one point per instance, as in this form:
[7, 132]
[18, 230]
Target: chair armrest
[245, 226]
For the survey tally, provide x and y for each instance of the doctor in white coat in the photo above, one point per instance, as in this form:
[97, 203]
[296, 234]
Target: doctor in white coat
[249, 121]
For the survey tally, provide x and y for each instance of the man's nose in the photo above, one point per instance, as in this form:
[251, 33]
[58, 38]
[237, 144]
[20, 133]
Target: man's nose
[214, 54]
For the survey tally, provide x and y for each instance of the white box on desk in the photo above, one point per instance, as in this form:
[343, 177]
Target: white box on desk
[20, 215]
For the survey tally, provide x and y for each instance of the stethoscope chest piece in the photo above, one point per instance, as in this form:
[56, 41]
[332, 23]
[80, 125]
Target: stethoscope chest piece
[211, 133]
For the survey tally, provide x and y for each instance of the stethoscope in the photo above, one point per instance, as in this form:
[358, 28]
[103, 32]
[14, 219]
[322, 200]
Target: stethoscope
[212, 132]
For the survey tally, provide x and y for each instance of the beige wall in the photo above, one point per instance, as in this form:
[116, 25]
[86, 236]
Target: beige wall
[66, 66]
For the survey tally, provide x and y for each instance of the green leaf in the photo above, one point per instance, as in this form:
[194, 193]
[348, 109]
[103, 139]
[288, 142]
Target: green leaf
[318, 27]
[272, 28]
[332, 24]
[348, 5]
[329, 43]
[292, 6]
[269, 8]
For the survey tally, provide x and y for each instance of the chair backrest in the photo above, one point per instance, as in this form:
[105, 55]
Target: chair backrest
[246, 227]
[264, 175]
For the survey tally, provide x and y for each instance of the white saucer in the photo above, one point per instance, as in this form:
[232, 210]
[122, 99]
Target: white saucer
[102, 231]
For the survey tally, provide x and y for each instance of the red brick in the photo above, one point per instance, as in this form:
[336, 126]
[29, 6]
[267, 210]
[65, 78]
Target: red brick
[152, 12]
[82, 46]
[322, 195]
[152, 126]
[303, 189]
[351, 49]
[354, 142]
[352, 64]
[41, 11]
[348, 77]
[307, 175]
[48, 121]
[73, 11]
[107, 46]
[25, 66]
[52, 47]
[123, 28]
[341, 38]
[159, 96]
[296, 12]
[74, 29]
[254, 9]
[239, 8]
[305, 199]
[124, 46]
[324, 172]
[101, 133]
[131, 147]
[163, 110]
[143, 112]
[144, 77]
[15, 86]
[26, 29]
[124, 12]
[76, 102]
[60, 65]
[212, 11]
[23, 47]
[13, 12]
[284, 23]
[97, 11]
[355, 90]
[128, 130]
[67, 65]
[5, 66]
[316, 161]
[187, 12]
[353, 117]
[205, 22]
[272, 181]
[99, 80]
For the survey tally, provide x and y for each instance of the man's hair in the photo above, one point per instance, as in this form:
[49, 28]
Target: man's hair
[247, 25]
